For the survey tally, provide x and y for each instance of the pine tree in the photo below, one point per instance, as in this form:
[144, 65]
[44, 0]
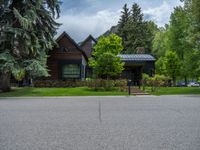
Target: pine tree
[137, 30]
[122, 25]
[26, 34]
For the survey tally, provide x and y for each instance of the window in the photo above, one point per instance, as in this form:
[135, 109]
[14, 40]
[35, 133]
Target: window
[64, 49]
[71, 71]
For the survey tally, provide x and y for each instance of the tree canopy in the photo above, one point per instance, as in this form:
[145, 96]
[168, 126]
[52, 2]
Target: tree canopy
[27, 28]
[105, 60]
[134, 30]
[181, 35]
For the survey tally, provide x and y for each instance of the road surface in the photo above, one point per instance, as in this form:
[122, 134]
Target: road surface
[100, 123]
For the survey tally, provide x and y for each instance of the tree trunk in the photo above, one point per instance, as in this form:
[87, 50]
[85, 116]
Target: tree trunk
[5, 82]
[186, 81]
[174, 81]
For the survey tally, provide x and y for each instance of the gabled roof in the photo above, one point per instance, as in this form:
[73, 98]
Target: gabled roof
[136, 57]
[88, 38]
[64, 34]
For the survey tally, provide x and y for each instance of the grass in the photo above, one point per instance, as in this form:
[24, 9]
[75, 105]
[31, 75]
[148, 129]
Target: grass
[85, 91]
[81, 91]
[177, 91]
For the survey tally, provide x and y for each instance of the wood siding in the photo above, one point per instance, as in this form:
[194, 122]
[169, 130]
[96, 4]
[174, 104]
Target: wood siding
[59, 54]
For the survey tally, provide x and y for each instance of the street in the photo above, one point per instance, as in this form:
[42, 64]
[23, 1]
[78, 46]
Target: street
[100, 123]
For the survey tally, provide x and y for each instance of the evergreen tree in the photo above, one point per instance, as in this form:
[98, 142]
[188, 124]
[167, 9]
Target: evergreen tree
[122, 25]
[134, 26]
[26, 34]
[137, 27]
[152, 29]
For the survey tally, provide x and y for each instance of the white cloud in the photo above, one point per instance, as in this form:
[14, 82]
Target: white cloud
[161, 14]
[81, 25]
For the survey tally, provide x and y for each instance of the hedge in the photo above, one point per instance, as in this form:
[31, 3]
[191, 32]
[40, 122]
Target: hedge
[92, 83]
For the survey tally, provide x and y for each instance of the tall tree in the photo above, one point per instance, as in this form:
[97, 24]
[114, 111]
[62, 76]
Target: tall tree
[178, 32]
[152, 29]
[172, 65]
[178, 39]
[137, 27]
[106, 62]
[122, 25]
[160, 42]
[27, 28]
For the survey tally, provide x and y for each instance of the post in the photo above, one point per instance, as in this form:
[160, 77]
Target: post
[129, 87]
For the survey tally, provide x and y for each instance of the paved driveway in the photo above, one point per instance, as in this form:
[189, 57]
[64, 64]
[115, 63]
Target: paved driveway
[100, 123]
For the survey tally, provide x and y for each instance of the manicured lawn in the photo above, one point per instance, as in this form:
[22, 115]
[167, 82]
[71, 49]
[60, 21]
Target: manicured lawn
[177, 91]
[83, 91]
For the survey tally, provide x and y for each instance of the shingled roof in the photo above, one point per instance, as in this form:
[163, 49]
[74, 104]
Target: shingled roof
[136, 57]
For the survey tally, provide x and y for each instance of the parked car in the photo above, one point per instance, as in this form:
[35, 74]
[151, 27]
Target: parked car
[193, 84]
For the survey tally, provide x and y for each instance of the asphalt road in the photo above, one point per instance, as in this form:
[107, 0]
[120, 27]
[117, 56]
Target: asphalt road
[100, 123]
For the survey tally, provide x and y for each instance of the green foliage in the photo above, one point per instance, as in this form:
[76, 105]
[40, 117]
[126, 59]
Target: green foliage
[122, 25]
[26, 34]
[105, 62]
[172, 64]
[145, 78]
[160, 42]
[179, 24]
[134, 31]
[160, 66]
[107, 85]
[95, 84]
[153, 82]
[182, 36]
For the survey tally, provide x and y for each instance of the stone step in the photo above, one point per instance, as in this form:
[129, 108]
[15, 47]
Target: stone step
[137, 91]
[140, 94]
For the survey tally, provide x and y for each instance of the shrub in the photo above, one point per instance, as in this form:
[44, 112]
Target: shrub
[58, 83]
[107, 85]
[95, 84]
[156, 82]
[145, 79]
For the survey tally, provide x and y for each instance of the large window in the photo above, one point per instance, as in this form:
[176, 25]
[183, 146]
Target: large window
[71, 71]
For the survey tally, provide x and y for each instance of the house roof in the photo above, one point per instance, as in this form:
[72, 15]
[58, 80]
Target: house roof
[76, 45]
[137, 57]
[88, 38]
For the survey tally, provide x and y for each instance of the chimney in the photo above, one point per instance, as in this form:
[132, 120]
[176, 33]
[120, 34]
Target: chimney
[140, 50]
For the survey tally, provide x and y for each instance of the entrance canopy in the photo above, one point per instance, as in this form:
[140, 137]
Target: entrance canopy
[136, 57]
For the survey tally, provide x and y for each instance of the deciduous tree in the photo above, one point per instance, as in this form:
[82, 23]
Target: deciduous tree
[105, 61]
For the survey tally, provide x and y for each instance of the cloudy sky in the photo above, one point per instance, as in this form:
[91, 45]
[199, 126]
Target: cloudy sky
[80, 18]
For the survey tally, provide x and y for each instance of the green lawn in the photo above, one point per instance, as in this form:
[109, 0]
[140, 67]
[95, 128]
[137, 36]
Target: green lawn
[83, 91]
[177, 91]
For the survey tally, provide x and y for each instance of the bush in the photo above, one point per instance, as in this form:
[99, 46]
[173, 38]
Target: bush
[154, 82]
[58, 83]
[145, 79]
[95, 84]
[107, 85]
